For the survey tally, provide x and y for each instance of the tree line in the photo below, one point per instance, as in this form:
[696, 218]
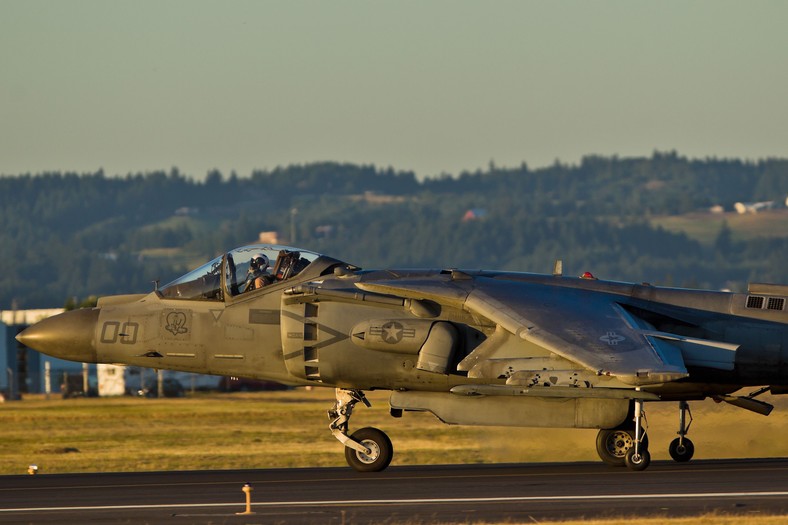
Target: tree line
[67, 236]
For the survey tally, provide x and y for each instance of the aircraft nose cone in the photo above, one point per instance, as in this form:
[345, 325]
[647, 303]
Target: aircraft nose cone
[70, 335]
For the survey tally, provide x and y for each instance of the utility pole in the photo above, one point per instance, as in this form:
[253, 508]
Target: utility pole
[293, 213]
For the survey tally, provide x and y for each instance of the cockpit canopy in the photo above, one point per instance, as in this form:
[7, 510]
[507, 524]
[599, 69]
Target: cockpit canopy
[245, 269]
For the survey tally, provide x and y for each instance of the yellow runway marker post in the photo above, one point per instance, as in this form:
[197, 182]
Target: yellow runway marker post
[247, 489]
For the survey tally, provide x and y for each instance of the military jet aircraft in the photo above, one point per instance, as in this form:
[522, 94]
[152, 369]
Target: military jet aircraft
[472, 347]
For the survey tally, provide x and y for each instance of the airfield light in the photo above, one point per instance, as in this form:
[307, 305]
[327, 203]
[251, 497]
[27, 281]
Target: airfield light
[32, 470]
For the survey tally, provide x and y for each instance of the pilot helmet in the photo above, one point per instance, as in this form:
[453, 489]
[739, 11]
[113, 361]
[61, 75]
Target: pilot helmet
[259, 261]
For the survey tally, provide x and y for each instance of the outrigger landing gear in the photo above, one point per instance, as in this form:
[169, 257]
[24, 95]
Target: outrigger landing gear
[681, 449]
[638, 457]
[367, 449]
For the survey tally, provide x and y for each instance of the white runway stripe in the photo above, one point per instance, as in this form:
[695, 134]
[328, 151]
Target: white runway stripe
[426, 501]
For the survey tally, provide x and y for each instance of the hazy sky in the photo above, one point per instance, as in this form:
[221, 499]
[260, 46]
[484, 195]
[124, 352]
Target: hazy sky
[429, 86]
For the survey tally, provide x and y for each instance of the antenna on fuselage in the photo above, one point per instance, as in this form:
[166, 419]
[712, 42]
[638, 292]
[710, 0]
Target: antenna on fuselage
[558, 268]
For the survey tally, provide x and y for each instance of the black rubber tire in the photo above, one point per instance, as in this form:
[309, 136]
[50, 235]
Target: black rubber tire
[681, 452]
[375, 440]
[639, 462]
[612, 444]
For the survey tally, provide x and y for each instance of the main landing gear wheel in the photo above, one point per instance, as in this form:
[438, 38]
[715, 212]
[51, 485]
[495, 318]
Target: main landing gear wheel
[612, 444]
[380, 450]
[627, 444]
[681, 450]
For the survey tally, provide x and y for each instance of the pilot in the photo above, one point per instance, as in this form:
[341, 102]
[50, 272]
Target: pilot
[257, 277]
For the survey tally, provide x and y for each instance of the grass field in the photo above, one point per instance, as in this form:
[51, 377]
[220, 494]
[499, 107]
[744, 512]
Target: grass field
[708, 519]
[705, 227]
[290, 429]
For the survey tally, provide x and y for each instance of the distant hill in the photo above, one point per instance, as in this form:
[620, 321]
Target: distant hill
[67, 236]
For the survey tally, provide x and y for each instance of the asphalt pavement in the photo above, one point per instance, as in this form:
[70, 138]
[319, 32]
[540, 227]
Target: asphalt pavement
[525, 493]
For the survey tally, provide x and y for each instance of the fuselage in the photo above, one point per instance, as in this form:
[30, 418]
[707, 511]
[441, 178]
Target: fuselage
[275, 334]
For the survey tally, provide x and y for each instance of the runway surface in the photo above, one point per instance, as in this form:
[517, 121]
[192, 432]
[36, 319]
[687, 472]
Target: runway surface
[526, 493]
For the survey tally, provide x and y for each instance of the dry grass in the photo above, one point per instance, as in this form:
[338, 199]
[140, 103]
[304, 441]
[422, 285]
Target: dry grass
[707, 519]
[222, 431]
[290, 429]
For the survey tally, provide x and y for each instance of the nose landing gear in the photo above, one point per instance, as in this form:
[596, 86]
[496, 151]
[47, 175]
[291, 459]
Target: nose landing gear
[367, 449]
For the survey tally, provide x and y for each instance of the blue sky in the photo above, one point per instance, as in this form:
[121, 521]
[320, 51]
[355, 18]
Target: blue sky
[428, 86]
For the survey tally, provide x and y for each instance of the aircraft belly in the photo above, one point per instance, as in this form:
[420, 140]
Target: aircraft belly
[515, 411]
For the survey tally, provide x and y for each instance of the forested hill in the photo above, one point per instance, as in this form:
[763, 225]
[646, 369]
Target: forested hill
[67, 236]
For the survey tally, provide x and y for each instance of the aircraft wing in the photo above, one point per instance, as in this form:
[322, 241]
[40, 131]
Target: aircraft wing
[587, 327]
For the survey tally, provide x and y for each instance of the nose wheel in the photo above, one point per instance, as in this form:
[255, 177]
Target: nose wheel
[379, 446]
[367, 449]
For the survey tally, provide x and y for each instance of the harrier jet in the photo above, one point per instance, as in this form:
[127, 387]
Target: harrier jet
[472, 347]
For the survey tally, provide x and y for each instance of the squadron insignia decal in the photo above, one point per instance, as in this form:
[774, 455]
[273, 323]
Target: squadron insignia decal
[176, 323]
